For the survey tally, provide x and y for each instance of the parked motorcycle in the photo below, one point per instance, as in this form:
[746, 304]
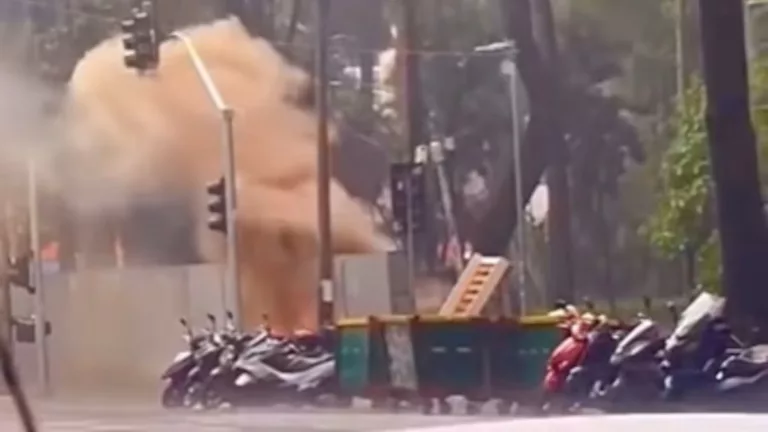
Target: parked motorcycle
[594, 372]
[176, 374]
[696, 349]
[289, 371]
[635, 365]
[219, 387]
[578, 330]
[214, 364]
[744, 372]
[206, 360]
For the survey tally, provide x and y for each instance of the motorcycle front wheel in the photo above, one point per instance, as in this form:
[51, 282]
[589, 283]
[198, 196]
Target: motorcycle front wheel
[172, 396]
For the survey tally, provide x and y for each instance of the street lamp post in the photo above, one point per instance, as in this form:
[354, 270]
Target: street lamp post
[509, 69]
[228, 165]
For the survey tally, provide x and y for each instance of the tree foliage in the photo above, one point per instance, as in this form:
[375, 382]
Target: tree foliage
[685, 187]
[683, 218]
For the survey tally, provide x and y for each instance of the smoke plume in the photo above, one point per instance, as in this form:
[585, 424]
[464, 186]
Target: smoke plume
[159, 133]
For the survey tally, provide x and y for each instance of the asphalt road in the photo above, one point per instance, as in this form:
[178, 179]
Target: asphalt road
[54, 417]
[114, 418]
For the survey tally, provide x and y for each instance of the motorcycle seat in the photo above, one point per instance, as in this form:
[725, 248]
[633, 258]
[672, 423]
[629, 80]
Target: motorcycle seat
[298, 362]
[756, 355]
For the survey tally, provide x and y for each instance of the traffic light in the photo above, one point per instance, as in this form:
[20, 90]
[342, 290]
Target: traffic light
[140, 40]
[19, 272]
[408, 180]
[418, 197]
[217, 206]
[398, 178]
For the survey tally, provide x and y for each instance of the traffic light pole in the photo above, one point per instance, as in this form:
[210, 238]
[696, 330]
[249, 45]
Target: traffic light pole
[41, 341]
[325, 299]
[230, 193]
[409, 240]
[228, 162]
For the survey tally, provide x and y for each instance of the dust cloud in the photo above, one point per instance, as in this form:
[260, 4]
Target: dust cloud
[159, 133]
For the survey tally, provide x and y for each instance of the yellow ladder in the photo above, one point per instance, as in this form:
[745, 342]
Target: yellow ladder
[475, 287]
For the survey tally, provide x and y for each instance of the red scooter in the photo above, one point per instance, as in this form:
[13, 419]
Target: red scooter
[568, 354]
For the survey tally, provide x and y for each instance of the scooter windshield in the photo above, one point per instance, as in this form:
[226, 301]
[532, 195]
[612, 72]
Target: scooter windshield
[705, 308]
[635, 341]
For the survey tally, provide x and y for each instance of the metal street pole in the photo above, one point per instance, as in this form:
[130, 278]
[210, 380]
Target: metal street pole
[749, 34]
[437, 156]
[325, 299]
[509, 68]
[228, 165]
[41, 341]
[680, 47]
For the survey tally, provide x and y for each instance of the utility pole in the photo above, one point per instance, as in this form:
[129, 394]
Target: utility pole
[325, 298]
[412, 108]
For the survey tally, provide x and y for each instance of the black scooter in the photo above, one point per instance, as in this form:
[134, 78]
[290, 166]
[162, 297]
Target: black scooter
[635, 366]
[177, 373]
[217, 388]
[207, 359]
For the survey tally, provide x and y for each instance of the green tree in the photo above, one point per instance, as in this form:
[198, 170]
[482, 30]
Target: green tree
[681, 220]
[684, 215]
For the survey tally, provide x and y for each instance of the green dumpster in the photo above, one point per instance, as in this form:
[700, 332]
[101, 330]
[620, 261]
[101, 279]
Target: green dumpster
[519, 353]
[451, 356]
[370, 357]
[358, 352]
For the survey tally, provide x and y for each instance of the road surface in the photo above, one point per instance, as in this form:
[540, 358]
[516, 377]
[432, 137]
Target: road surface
[56, 417]
[113, 418]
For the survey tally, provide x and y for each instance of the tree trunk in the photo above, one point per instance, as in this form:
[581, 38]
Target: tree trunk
[492, 233]
[559, 216]
[734, 161]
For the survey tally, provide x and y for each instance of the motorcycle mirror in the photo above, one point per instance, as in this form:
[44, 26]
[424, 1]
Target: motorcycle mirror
[560, 304]
[184, 322]
[674, 313]
[230, 315]
[647, 304]
[212, 320]
[589, 305]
